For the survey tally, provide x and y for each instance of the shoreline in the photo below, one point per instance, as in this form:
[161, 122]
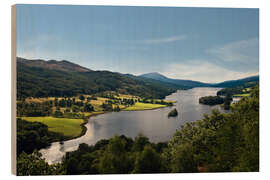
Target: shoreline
[146, 109]
[70, 147]
[84, 129]
[86, 120]
[96, 113]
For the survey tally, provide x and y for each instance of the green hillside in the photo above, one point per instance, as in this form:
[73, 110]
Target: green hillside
[58, 79]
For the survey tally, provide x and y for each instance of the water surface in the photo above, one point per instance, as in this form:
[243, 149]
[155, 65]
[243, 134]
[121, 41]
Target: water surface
[154, 124]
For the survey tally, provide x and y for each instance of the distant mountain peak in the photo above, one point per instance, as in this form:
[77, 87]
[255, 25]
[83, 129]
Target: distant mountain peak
[187, 83]
[155, 75]
[62, 65]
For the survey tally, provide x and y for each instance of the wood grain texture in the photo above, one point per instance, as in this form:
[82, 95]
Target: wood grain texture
[13, 89]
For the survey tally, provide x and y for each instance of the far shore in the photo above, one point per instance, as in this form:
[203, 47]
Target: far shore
[86, 119]
[138, 107]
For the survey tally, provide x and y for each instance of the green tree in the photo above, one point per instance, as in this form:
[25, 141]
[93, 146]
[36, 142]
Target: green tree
[183, 159]
[33, 164]
[75, 108]
[117, 109]
[115, 159]
[62, 103]
[227, 101]
[148, 161]
[81, 97]
[88, 108]
[139, 142]
[72, 166]
[58, 113]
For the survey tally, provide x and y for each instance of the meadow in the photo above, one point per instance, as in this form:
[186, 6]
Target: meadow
[143, 106]
[241, 95]
[245, 93]
[66, 126]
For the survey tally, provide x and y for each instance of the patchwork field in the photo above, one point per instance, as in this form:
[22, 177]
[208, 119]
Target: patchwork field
[68, 127]
[246, 93]
[65, 115]
[143, 106]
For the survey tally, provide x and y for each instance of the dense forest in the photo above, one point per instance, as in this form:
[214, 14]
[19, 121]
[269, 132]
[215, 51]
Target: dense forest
[225, 95]
[246, 82]
[217, 143]
[211, 100]
[230, 91]
[34, 135]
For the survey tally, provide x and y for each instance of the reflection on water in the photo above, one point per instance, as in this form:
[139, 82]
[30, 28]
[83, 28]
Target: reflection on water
[155, 124]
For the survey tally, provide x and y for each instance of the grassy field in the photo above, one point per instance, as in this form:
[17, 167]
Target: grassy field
[88, 114]
[143, 106]
[69, 127]
[167, 101]
[241, 95]
[247, 90]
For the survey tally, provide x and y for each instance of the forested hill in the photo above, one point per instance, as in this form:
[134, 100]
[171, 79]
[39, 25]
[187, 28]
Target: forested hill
[190, 84]
[53, 65]
[187, 83]
[39, 78]
[251, 81]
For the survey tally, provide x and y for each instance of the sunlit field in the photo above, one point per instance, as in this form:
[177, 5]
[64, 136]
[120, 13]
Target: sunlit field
[143, 106]
[68, 127]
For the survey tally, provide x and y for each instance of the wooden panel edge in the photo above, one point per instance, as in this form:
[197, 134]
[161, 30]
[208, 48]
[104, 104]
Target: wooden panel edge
[13, 89]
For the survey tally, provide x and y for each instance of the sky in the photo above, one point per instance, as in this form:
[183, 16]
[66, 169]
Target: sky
[203, 44]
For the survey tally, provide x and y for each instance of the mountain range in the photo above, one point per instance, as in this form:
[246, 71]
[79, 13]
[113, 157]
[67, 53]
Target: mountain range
[40, 78]
[191, 84]
[187, 83]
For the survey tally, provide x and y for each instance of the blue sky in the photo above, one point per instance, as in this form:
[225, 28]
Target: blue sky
[205, 44]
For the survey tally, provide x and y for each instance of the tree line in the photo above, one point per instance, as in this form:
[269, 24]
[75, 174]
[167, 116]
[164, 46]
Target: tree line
[211, 100]
[73, 106]
[36, 109]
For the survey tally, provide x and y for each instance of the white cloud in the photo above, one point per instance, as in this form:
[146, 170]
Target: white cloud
[244, 51]
[201, 70]
[163, 40]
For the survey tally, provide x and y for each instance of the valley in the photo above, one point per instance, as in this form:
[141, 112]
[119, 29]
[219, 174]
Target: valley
[66, 106]
[63, 95]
